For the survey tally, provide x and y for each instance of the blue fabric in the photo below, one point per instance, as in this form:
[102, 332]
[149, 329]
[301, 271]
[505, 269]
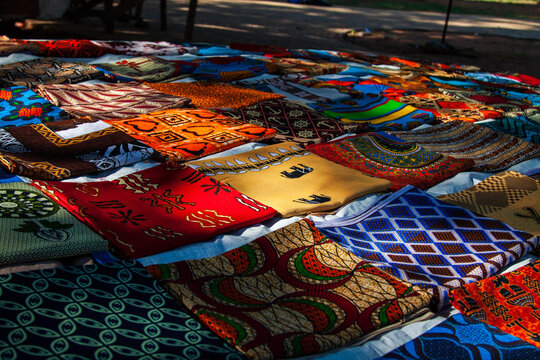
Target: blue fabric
[464, 338]
[7, 177]
[21, 106]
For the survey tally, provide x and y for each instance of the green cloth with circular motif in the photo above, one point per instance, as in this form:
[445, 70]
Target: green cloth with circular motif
[35, 228]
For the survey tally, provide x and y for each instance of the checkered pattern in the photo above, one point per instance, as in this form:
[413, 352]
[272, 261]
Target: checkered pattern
[430, 243]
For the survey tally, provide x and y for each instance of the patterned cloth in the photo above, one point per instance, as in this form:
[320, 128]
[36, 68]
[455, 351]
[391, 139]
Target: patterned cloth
[520, 126]
[46, 71]
[508, 301]
[491, 150]
[35, 228]
[293, 121]
[385, 156]
[230, 68]
[110, 101]
[311, 67]
[63, 149]
[378, 112]
[289, 293]
[210, 95]
[464, 338]
[99, 312]
[21, 106]
[72, 48]
[6, 177]
[141, 48]
[291, 179]
[190, 134]
[429, 243]
[510, 197]
[157, 209]
[144, 68]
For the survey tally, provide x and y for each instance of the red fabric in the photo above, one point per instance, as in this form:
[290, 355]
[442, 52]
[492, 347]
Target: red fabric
[157, 209]
[510, 302]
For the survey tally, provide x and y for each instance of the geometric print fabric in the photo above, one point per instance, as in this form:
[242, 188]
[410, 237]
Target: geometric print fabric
[114, 311]
[429, 243]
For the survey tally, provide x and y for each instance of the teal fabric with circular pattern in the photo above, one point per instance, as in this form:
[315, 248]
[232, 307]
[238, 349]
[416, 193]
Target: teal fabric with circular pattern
[113, 311]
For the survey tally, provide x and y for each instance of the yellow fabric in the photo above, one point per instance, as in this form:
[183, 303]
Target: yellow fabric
[291, 179]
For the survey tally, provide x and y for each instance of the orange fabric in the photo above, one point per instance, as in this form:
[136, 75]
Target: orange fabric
[208, 95]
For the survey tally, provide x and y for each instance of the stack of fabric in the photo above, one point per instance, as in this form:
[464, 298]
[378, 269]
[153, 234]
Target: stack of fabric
[186, 201]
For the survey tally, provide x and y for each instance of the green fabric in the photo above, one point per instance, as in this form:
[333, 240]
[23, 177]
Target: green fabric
[35, 228]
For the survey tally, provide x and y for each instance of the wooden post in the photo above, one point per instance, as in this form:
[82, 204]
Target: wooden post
[163, 15]
[448, 10]
[190, 22]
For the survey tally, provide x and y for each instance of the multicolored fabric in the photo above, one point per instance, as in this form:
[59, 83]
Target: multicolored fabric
[99, 312]
[379, 113]
[63, 149]
[508, 301]
[72, 48]
[230, 68]
[31, 73]
[311, 67]
[521, 126]
[293, 121]
[190, 134]
[213, 96]
[385, 156]
[289, 293]
[157, 209]
[464, 338]
[432, 244]
[35, 228]
[281, 85]
[21, 106]
[510, 197]
[144, 68]
[7, 177]
[291, 179]
[492, 151]
[110, 101]
[141, 48]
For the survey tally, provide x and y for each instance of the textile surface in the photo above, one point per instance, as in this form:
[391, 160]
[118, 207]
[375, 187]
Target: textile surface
[21, 106]
[7, 177]
[378, 112]
[289, 293]
[110, 101]
[35, 228]
[71, 48]
[492, 151]
[157, 209]
[184, 134]
[519, 126]
[509, 196]
[293, 121]
[144, 68]
[230, 68]
[291, 179]
[464, 338]
[99, 312]
[429, 243]
[46, 151]
[141, 48]
[508, 301]
[382, 155]
[46, 71]
[212, 95]
[295, 66]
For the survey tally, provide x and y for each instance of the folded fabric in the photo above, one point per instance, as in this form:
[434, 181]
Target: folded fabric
[7, 177]
[385, 156]
[492, 151]
[31, 73]
[35, 228]
[432, 244]
[379, 113]
[211, 95]
[184, 134]
[71, 48]
[464, 338]
[508, 196]
[67, 148]
[282, 86]
[21, 106]
[230, 68]
[293, 121]
[291, 179]
[157, 209]
[290, 293]
[508, 301]
[311, 67]
[141, 48]
[110, 101]
[99, 312]
[144, 68]
[520, 126]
